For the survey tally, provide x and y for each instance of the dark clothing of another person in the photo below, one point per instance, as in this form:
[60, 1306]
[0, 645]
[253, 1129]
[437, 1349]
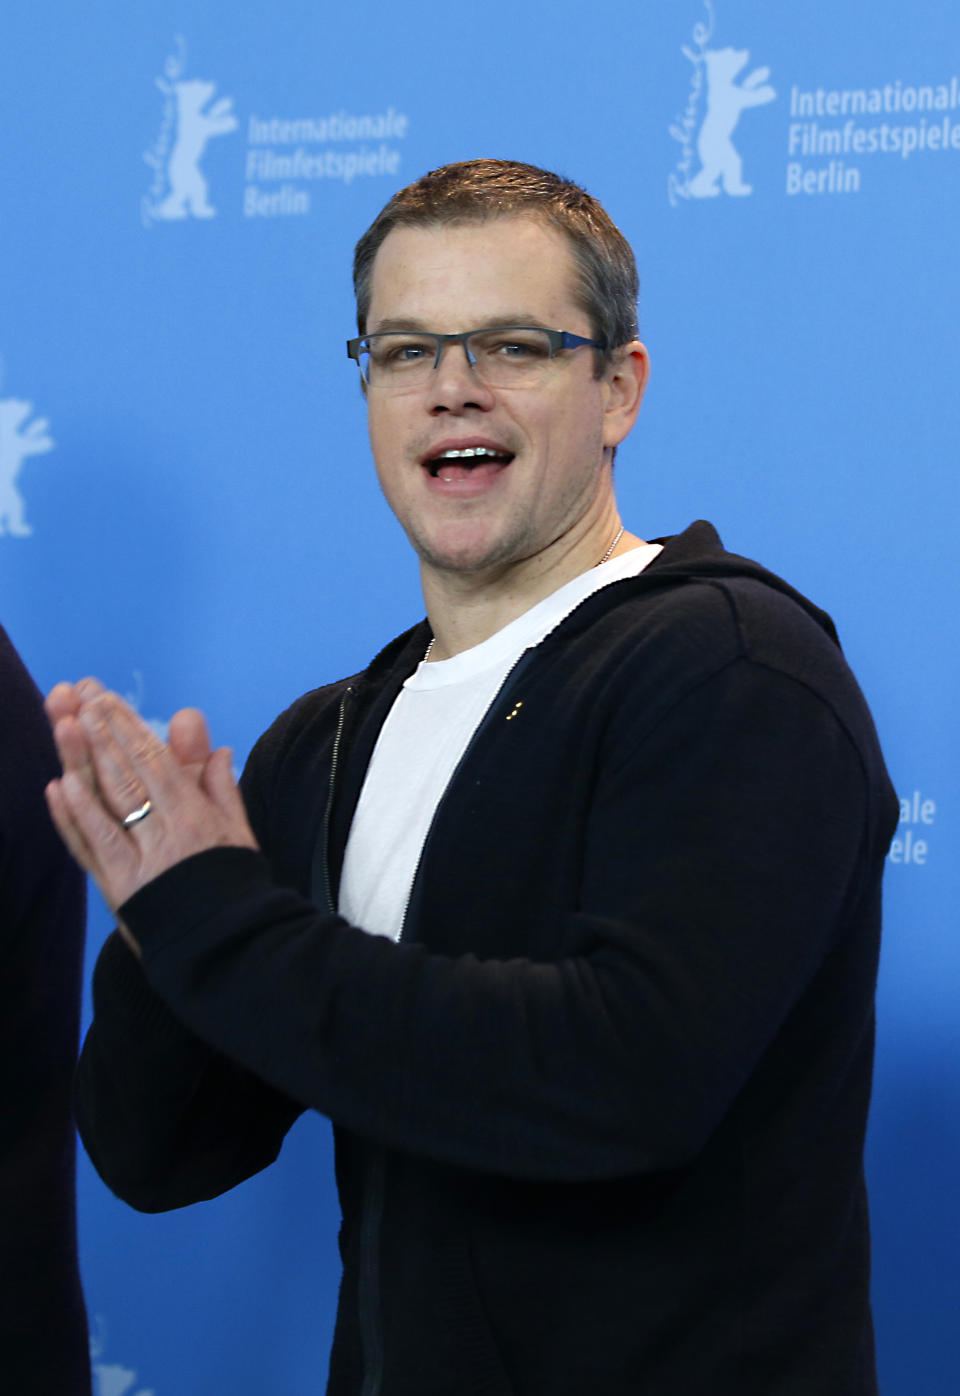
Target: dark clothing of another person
[43, 1322]
[600, 1113]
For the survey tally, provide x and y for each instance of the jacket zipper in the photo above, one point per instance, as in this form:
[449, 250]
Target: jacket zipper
[371, 1221]
[368, 1283]
[325, 829]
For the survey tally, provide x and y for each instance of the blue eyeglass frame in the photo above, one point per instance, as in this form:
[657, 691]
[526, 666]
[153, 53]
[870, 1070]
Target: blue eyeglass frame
[558, 339]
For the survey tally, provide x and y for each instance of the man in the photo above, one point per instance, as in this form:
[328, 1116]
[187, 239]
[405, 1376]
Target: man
[612, 821]
[43, 1321]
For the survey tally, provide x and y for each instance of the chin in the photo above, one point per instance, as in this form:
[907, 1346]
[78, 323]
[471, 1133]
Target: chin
[469, 556]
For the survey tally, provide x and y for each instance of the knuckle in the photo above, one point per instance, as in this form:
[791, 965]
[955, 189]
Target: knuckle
[129, 789]
[146, 750]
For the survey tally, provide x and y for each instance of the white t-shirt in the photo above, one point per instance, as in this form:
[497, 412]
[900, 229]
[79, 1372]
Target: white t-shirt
[423, 738]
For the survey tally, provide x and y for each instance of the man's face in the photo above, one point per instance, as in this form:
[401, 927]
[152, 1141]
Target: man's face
[551, 479]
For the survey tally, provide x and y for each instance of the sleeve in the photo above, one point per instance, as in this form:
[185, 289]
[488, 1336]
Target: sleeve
[723, 850]
[166, 1119]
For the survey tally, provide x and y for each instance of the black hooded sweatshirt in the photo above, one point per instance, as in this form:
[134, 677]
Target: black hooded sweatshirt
[599, 1115]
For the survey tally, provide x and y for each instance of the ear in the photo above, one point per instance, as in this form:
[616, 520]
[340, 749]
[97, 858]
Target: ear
[626, 380]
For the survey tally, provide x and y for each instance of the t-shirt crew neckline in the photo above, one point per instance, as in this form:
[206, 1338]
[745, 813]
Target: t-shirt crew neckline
[530, 628]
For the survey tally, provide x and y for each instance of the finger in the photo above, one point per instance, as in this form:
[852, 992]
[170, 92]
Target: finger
[66, 699]
[188, 738]
[117, 778]
[62, 701]
[113, 855]
[127, 728]
[74, 832]
[220, 784]
[89, 688]
[71, 742]
[136, 765]
[159, 765]
[74, 750]
[66, 827]
[218, 780]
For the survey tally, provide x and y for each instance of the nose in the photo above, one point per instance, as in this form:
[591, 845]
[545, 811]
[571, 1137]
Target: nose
[454, 386]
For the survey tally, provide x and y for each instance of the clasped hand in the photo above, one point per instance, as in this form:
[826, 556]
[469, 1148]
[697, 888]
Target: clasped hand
[115, 766]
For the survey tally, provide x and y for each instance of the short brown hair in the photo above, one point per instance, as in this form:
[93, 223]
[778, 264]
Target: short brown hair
[472, 191]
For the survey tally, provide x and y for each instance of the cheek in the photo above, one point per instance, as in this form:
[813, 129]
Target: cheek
[374, 425]
[570, 440]
[385, 434]
[384, 463]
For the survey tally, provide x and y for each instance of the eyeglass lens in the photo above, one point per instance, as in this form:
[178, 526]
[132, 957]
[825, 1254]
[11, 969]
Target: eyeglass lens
[402, 359]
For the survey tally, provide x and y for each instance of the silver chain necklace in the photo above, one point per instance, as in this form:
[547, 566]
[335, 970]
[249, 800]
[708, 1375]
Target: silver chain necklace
[609, 553]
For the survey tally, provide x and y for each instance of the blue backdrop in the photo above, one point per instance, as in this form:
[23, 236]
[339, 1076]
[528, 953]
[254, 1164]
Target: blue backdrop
[186, 497]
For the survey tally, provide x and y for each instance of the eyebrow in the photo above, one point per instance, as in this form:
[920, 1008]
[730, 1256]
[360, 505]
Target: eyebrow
[510, 318]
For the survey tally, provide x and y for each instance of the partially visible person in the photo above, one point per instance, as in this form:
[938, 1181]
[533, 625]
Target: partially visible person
[44, 1349]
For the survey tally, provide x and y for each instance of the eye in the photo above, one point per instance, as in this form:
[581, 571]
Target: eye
[400, 350]
[515, 346]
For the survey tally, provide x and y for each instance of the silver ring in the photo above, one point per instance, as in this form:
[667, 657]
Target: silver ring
[136, 815]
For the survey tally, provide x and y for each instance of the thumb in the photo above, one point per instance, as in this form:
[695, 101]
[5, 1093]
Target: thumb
[188, 737]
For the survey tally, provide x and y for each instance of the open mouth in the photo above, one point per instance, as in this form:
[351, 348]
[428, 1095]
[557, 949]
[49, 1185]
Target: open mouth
[459, 462]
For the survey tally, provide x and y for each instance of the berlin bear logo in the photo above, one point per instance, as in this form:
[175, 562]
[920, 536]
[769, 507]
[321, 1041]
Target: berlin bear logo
[19, 438]
[726, 99]
[717, 70]
[179, 188]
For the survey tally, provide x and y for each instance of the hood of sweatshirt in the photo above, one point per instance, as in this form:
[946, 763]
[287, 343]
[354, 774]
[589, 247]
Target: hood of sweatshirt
[697, 554]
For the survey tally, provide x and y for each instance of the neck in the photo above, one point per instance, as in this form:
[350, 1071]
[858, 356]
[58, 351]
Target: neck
[464, 609]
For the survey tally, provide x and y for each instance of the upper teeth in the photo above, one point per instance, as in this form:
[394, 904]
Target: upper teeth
[466, 451]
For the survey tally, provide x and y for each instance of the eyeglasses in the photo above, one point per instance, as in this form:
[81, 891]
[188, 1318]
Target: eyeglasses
[507, 356]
